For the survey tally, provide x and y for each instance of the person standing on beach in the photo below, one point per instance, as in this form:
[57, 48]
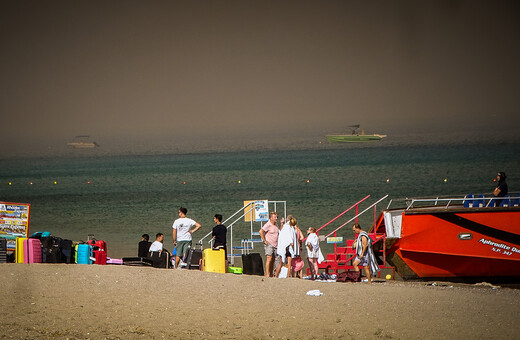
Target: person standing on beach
[364, 253]
[182, 234]
[501, 189]
[219, 234]
[297, 262]
[313, 250]
[269, 234]
[288, 246]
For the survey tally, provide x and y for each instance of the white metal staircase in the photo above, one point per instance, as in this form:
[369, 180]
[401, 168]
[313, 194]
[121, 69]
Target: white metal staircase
[253, 235]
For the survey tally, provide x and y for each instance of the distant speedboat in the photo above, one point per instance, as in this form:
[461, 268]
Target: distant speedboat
[82, 142]
[355, 136]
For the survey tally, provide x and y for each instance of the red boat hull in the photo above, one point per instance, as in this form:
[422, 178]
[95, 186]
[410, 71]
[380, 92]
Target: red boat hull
[458, 243]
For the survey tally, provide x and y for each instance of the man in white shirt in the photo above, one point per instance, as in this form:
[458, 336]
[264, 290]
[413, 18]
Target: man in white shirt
[158, 243]
[182, 234]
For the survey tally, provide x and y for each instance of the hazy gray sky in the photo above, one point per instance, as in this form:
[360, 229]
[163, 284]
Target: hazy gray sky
[144, 69]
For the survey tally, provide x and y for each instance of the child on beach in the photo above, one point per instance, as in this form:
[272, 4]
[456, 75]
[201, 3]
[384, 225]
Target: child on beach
[313, 250]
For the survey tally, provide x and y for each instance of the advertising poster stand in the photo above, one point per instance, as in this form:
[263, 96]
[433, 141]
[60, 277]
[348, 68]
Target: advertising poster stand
[14, 222]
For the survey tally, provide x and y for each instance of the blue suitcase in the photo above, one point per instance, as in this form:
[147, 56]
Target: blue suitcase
[40, 234]
[84, 254]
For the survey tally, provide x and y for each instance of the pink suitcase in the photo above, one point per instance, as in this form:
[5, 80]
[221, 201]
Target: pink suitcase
[114, 261]
[32, 251]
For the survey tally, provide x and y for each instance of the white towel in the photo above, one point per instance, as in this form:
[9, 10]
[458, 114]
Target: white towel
[315, 292]
[286, 236]
[372, 261]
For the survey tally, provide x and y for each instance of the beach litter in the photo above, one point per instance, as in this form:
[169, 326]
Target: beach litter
[434, 284]
[314, 292]
[486, 284]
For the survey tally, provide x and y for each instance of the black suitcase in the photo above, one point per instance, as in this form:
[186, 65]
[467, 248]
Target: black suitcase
[137, 261]
[66, 251]
[160, 259]
[51, 252]
[3, 250]
[247, 264]
[258, 264]
[193, 257]
[252, 264]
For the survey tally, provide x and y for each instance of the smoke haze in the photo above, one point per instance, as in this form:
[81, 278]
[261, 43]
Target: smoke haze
[145, 71]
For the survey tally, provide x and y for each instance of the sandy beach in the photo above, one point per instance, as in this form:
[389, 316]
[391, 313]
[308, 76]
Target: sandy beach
[62, 301]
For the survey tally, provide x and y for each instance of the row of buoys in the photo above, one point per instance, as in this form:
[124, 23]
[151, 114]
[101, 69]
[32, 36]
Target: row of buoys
[239, 181]
[55, 182]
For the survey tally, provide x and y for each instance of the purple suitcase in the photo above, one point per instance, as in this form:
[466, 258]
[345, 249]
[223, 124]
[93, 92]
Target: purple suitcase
[32, 251]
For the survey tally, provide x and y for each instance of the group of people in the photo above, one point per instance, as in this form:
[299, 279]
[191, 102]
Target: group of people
[283, 246]
[182, 231]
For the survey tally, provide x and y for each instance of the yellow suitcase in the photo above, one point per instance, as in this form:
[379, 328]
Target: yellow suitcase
[214, 260]
[19, 254]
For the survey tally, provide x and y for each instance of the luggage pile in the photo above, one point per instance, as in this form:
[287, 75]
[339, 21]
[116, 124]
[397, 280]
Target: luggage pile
[42, 247]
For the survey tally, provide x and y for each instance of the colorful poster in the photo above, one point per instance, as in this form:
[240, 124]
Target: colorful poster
[338, 239]
[261, 211]
[14, 222]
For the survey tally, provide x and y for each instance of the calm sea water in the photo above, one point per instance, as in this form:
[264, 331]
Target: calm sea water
[118, 198]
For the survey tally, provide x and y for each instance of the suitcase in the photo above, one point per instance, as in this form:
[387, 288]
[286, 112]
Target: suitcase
[32, 251]
[84, 254]
[66, 251]
[40, 234]
[247, 264]
[193, 257]
[137, 261]
[51, 252]
[3, 250]
[98, 244]
[19, 252]
[100, 257]
[258, 264]
[252, 264]
[160, 259]
[114, 261]
[214, 260]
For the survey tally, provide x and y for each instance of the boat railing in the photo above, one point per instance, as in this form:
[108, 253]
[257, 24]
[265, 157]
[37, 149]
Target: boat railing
[468, 201]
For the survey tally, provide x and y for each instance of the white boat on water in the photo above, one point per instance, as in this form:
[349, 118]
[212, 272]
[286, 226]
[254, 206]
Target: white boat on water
[82, 142]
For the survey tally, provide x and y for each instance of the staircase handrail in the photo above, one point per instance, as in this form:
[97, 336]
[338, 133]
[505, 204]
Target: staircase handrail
[229, 218]
[343, 213]
[353, 218]
[335, 218]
